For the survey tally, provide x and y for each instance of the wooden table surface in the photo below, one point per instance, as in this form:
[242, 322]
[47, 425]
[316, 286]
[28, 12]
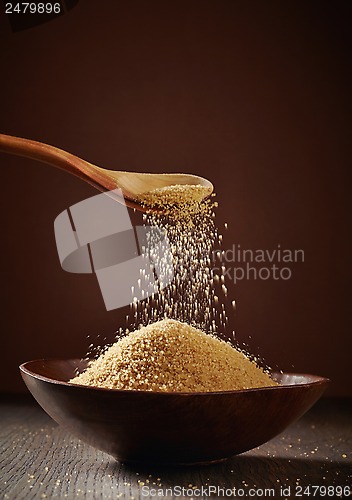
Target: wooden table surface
[41, 460]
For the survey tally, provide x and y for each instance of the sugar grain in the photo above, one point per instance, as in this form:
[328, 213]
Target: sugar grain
[171, 356]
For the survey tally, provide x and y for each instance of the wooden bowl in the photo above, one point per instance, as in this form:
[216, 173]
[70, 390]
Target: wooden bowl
[169, 428]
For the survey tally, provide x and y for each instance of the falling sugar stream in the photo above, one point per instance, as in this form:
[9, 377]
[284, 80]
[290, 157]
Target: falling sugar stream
[198, 294]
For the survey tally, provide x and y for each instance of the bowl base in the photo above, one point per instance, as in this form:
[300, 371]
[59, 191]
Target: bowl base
[172, 463]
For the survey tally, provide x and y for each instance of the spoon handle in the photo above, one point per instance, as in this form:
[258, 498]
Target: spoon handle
[57, 158]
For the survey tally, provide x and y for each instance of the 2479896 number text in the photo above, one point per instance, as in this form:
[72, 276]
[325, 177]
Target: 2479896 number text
[32, 8]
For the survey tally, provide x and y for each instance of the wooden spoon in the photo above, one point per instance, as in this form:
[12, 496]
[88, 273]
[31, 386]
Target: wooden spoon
[132, 184]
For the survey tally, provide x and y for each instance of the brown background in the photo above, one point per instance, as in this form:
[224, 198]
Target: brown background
[250, 94]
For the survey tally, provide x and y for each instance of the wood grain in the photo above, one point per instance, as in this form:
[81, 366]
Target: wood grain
[40, 460]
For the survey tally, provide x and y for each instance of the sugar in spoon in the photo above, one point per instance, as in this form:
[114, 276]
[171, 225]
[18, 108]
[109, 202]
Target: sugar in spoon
[132, 184]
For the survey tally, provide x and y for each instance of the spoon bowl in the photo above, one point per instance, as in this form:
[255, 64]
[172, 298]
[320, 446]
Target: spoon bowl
[169, 428]
[132, 184]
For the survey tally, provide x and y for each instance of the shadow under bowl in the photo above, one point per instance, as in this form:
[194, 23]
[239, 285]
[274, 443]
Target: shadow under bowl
[169, 428]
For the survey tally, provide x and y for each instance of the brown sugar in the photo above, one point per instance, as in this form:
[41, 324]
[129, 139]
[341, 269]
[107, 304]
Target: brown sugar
[178, 201]
[171, 356]
[187, 218]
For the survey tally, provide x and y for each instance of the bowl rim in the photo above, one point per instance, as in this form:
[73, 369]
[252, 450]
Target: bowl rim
[317, 380]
